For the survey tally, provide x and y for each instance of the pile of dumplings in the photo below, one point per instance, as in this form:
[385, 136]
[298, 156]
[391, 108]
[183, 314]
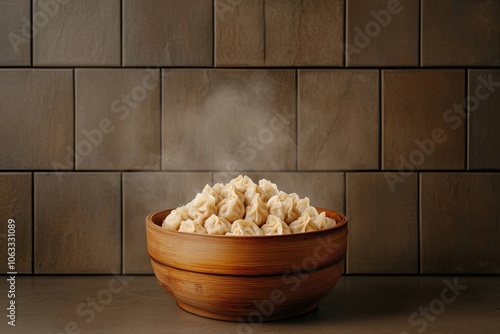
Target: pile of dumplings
[242, 207]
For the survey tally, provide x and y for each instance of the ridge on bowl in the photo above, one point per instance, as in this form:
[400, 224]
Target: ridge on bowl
[231, 277]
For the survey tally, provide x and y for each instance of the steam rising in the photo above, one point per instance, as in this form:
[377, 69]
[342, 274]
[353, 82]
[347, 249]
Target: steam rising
[224, 125]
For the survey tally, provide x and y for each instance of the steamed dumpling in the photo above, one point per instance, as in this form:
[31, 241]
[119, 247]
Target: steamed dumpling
[282, 206]
[303, 224]
[218, 188]
[289, 209]
[269, 189]
[252, 190]
[274, 225]
[202, 207]
[211, 191]
[229, 190]
[275, 207]
[245, 227]
[322, 221]
[191, 227]
[302, 204]
[173, 221]
[294, 197]
[231, 207]
[257, 211]
[242, 183]
[311, 211]
[242, 207]
[217, 225]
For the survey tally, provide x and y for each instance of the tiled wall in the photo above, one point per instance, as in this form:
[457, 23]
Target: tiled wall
[387, 110]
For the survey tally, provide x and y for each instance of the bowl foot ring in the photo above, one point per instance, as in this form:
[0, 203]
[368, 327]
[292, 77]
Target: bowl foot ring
[244, 318]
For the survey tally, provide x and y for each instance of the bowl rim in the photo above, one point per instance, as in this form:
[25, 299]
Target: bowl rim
[339, 225]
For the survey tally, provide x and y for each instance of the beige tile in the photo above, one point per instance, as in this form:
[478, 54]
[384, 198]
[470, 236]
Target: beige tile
[304, 33]
[460, 223]
[37, 116]
[239, 32]
[382, 33]
[279, 33]
[325, 190]
[484, 119]
[228, 120]
[117, 119]
[458, 33]
[338, 119]
[15, 201]
[77, 33]
[167, 33]
[15, 44]
[423, 120]
[77, 223]
[145, 193]
[383, 225]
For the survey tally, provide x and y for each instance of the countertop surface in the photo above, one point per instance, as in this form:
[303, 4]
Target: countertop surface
[357, 304]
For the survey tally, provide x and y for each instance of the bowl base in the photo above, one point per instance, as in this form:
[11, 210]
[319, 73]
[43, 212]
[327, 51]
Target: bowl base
[242, 318]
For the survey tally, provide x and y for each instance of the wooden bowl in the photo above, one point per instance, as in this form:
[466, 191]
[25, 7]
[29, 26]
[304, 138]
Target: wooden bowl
[247, 278]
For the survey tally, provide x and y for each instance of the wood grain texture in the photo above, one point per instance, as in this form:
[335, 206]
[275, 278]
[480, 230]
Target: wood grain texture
[232, 298]
[77, 223]
[37, 113]
[484, 119]
[460, 219]
[117, 117]
[167, 33]
[15, 45]
[77, 33]
[230, 278]
[279, 32]
[239, 33]
[304, 32]
[338, 124]
[382, 33]
[369, 197]
[458, 33]
[255, 255]
[15, 203]
[415, 105]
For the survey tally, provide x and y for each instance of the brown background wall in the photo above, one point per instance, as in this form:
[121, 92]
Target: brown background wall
[386, 110]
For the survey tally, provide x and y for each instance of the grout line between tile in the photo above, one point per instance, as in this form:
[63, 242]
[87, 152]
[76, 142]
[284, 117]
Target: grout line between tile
[419, 228]
[420, 27]
[122, 230]
[344, 45]
[381, 120]
[345, 191]
[74, 119]
[33, 223]
[122, 17]
[297, 120]
[32, 43]
[263, 68]
[306, 171]
[466, 124]
[161, 118]
[346, 269]
[214, 27]
[264, 31]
